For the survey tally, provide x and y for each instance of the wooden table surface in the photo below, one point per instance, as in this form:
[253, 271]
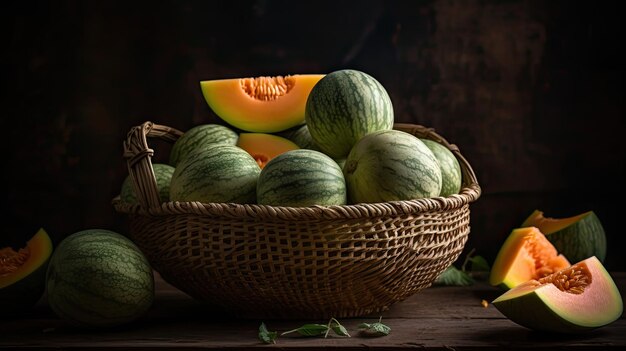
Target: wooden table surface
[444, 318]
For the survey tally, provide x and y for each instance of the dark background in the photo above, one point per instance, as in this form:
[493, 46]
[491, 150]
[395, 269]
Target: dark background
[531, 91]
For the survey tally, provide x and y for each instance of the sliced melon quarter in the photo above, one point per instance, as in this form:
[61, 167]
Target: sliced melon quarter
[23, 272]
[579, 298]
[526, 254]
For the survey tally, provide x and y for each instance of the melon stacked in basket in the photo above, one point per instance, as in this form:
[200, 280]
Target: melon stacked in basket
[308, 202]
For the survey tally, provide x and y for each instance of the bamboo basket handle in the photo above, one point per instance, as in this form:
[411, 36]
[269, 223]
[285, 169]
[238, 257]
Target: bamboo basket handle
[139, 160]
[429, 133]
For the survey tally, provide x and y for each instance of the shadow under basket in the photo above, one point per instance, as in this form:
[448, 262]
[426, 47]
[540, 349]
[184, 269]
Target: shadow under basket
[258, 261]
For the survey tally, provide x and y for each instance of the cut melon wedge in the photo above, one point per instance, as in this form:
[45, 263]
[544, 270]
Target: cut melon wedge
[577, 237]
[261, 104]
[15, 266]
[23, 273]
[579, 298]
[526, 254]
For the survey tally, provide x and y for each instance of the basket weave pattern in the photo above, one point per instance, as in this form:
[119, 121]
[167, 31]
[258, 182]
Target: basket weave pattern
[296, 262]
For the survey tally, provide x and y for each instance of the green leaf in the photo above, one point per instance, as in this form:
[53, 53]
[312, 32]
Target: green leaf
[267, 336]
[479, 264]
[311, 329]
[455, 277]
[374, 329]
[338, 328]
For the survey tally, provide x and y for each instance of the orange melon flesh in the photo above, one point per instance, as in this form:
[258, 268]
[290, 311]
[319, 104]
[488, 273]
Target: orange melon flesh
[549, 225]
[263, 104]
[550, 306]
[526, 254]
[264, 147]
[33, 255]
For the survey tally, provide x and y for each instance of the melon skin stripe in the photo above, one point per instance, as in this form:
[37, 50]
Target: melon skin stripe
[301, 178]
[578, 237]
[577, 249]
[224, 174]
[391, 165]
[201, 136]
[343, 107]
[98, 278]
[451, 177]
[162, 174]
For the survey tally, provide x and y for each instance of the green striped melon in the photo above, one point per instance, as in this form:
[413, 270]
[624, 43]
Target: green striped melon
[451, 177]
[218, 174]
[97, 278]
[199, 137]
[163, 174]
[343, 107]
[301, 178]
[577, 238]
[391, 165]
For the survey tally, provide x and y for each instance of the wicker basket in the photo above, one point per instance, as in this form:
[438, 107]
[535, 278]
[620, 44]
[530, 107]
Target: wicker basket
[260, 261]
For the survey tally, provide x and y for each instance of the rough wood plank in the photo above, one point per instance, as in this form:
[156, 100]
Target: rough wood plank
[436, 318]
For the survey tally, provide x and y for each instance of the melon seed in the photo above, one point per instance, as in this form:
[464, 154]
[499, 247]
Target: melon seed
[267, 88]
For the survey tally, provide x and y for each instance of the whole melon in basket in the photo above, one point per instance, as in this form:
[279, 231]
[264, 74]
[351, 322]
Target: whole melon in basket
[219, 174]
[199, 137]
[163, 174]
[343, 107]
[301, 178]
[391, 165]
[98, 278]
[450, 168]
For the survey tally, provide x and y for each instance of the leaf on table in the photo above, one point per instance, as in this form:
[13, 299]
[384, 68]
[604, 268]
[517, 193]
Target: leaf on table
[454, 277]
[311, 329]
[267, 336]
[338, 328]
[374, 329]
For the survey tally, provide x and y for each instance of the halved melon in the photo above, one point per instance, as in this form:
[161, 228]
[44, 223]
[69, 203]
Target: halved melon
[579, 298]
[261, 104]
[526, 254]
[23, 273]
[577, 237]
[264, 147]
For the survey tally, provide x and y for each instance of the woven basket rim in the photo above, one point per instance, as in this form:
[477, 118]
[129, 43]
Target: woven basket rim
[138, 156]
